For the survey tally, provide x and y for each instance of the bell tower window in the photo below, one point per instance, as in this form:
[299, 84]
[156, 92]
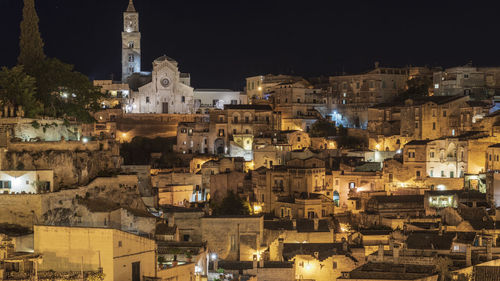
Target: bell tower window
[131, 44]
[131, 57]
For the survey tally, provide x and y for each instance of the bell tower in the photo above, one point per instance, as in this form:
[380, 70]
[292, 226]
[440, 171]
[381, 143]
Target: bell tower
[131, 42]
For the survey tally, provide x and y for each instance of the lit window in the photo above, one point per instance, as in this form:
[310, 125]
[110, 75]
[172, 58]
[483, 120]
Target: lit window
[436, 86]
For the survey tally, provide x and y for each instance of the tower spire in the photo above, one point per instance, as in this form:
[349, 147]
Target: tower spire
[131, 7]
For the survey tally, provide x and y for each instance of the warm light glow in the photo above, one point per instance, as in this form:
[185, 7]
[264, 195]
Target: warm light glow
[124, 135]
[260, 88]
[308, 266]
[257, 209]
[344, 227]
[441, 187]
[213, 256]
[377, 146]
[85, 140]
[257, 254]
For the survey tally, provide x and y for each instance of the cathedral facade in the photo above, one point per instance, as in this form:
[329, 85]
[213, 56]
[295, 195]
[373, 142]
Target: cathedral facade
[168, 90]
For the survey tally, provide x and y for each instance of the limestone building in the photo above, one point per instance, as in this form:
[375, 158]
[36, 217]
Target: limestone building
[477, 82]
[351, 95]
[297, 105]
[131, 43]
[167, 92]
[258, 87]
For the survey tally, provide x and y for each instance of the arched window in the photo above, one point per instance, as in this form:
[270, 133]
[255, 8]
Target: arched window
[336, 198]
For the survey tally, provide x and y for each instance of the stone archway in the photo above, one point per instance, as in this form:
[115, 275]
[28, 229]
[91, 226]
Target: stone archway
[219, 146]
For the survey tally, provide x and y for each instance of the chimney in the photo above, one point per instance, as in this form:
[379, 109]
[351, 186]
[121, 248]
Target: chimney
[468, 255]
[344, 245]
[316, 224]
[489, 244]
[281, 246]
[171, 221]
[294, 223]
[380, 253]
[395, 253]
[261, 262]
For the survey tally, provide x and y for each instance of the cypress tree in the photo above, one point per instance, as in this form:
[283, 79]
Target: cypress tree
[30, 41]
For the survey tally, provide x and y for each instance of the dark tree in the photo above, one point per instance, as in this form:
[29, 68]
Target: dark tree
[65, 92]
[416, 88]
[232, 204]
[30, 41]
[323, 128]
[18, 89]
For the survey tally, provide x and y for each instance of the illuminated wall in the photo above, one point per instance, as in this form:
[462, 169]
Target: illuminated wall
[26, 181]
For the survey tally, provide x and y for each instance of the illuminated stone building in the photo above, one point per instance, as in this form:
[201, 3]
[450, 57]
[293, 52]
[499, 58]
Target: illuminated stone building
[304, 205]
[296, 177]
[432, 117]
[352, 95]
[206, 99]
[258, 87]
[346, 184]
[297, 105]
[166, 92]
[131, 43]
[477, 82]
[493, 158]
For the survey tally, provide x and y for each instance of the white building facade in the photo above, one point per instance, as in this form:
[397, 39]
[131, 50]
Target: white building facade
[166, 93]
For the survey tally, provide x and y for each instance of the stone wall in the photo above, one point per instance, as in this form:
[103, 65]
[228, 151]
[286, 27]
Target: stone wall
[223, 239]
[152, 125]
[57, 207]
[73, 163]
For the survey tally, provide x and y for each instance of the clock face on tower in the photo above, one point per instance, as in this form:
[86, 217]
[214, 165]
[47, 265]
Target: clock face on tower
[165, 82]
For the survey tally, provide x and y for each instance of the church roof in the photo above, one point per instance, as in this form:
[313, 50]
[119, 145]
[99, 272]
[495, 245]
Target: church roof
[131, 7]
[164, 58]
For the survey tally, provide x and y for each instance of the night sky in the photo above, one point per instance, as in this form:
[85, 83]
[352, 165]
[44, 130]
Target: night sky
[221, 42]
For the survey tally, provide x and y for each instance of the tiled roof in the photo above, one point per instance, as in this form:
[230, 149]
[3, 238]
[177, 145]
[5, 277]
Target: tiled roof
[418, 142]
[248, 106]
[430, 240]
[390, 271]
[323, 250]
[487, 273]
[164, 229]
[398, 198]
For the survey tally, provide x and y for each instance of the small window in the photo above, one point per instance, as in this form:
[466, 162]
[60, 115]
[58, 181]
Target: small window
[131, 57]
[183, 99]
[444, 113]
[119, 243]
[147, 99]
[434, 125]
[418, 174]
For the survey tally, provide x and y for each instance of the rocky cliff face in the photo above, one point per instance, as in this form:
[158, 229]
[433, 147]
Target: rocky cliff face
[71, 168]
